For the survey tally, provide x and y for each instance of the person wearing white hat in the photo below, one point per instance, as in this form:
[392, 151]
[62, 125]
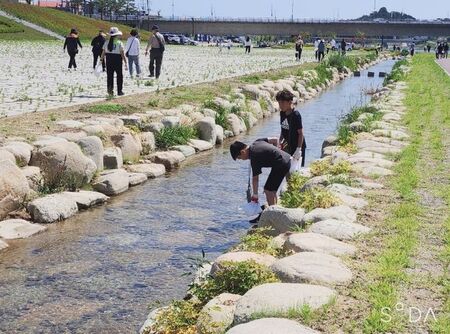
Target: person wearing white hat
[114, 52]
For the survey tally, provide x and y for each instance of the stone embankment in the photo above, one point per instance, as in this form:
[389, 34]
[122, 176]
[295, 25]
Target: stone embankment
[311, 266]
[40, 180]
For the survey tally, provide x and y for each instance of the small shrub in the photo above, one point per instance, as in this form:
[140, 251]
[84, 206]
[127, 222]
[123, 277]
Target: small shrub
[322, 167]
[153, 103]
[178, 135]
[296, 182]
[180, 317]
[252, 79]
[233, 277]
[258, 241]
[221, 113]
[309, 199]
[397, 73]
[339, 62]
[263, 103]
[149, 83]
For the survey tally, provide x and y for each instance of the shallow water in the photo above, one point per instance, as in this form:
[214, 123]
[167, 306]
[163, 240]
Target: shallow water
[98, 272]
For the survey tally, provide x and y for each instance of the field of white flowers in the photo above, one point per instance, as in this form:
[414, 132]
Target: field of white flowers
[35, 76]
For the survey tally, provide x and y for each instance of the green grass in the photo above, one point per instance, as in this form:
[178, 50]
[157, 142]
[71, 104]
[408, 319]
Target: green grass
[61, 22]
[426, 95]
[10, 30]
[177, 135]
[108, 108]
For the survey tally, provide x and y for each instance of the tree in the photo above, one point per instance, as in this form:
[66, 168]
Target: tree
[102, 6]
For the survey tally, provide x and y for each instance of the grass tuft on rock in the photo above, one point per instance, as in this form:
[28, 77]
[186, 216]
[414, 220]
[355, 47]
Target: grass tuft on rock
[172, 136]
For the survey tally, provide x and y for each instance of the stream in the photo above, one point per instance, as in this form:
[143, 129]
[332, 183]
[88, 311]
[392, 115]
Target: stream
[99, 271]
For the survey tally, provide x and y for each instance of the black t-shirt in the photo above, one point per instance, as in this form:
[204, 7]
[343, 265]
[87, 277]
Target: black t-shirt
[97, 43]
[263, 154]
[290, 125]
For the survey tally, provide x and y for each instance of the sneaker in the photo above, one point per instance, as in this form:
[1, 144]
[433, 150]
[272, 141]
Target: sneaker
[151, 76]
[120, 93]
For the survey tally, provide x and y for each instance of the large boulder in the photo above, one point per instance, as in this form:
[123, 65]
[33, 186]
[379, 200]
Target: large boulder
[207, 129]
[185, 149]
[271, 326]
[14, 187]
[34, 176]
[353, 202]
[72, 136]
[200, 145]
[86, 199]
[6, 155]
[129, 144]
[3, 245]
[148, 142]
[263, 259]
[312, 267]
[150, 170]
[112, 158]
[21, 151]
[46, 140]
[64, 164]
[52, 208]
[217, 315]
[112, 183]
[339, 230]
[92, 147]
[18, 229]
[170, 159]
[341, 212]
[136, 178]
[234, 124]
[220, 134]
[313, 242]
[278, 298]
[280, 220]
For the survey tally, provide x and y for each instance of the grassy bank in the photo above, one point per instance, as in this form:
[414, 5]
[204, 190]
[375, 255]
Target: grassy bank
[61, 22]
[417, 172]
[12, 31]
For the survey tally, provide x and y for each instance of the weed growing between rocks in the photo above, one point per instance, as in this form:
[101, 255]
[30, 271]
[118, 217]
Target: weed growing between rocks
[397, 72]
[108, 108]
[309, 199]
[179, 317]
[221, 113]
[324, 167]
[259, 241]
[177, 135]
[233, 277]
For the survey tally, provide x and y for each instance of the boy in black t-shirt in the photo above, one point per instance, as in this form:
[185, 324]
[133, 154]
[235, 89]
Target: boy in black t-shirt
[264, 153]
[292, 139]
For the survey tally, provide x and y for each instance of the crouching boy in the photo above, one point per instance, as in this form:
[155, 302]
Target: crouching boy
[264, 153]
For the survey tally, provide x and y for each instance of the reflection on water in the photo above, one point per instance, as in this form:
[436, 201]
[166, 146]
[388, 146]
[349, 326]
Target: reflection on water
[97, 272]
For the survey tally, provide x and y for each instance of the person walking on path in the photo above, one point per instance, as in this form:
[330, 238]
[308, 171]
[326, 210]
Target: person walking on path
[321, 50]
[132, 48]
[299, 48]
[157, 45]
[248, 45]
[316, 48]
[115, 56]
[97, 48]
[264, 153]
[71, 43]
[445, 48]
[292, 139]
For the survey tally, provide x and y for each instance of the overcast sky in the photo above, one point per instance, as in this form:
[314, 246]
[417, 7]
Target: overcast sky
[343, 9]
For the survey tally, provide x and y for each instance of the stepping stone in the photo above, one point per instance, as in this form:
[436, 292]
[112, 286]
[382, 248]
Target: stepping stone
[346, 190]
[3, 245]
[263, 259]
[112, 183]
[353, 202]
[370, 155]
[85, 199]
[52, 208]
[200, 145]
[377, 147]
[218, 314]
[313, 242]
[370, 170]
[19, 229]
[185, 149]
[392, 117]
[372, 161]
[280, 297]
[71, 124]
[339, 230]
[170, 159]
[271, 326]
[136, 178]
[151, 170]
[312, 267]
[280, 219]
[340, 212]
[395, 134]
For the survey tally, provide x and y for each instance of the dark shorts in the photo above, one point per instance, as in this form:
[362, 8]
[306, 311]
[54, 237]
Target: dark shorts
[276, 176]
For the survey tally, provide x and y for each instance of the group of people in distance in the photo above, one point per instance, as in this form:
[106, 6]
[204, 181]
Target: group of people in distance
[276, 153]
[113, 55]
[320, 47]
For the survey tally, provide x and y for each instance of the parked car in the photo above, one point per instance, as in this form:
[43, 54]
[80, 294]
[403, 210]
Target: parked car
[172, 39]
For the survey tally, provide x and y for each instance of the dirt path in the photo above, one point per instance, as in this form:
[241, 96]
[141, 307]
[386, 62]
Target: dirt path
[445, 64]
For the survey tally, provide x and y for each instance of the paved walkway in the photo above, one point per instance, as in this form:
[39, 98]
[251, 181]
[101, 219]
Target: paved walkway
[31, 25]
[445, 64]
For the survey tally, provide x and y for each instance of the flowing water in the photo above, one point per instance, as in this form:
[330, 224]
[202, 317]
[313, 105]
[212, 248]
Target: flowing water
[99, 271]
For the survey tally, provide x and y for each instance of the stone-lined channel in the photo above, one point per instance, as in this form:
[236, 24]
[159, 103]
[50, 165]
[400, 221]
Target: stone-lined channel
[97, 272]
